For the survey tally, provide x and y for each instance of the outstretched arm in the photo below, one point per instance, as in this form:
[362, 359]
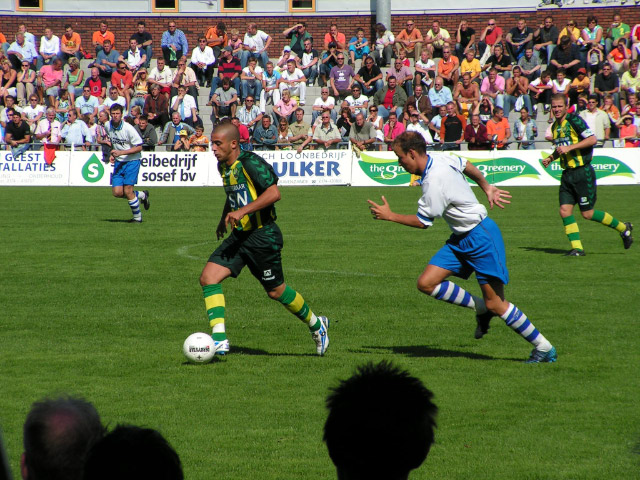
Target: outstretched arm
[383, 212]
[495, 195]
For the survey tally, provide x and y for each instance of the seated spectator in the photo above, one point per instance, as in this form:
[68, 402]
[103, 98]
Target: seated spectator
[410, 40]
[629, 83]
[327, 135]
[186, 77]
[629, 132]
[293, 79]
[369, 76]
[265, 135]
[518, 39]
[379, 398]
[182, 143]
[70, 44]
[33, 113]
[561, 83]
[452, 128]
[377, 122]
[97, 85]
[287, 55]
[255, 44]
[156, 107]
[344, 123]
[75, 132]
[606, 83]
[162, 76]
[101, 35]
[517, 91]
[114, 98]
[134, 57]
[20, 51]
[235, 42]
[58, 433]
[465, 40]
[485, 109]
[592, 48]
[619, 58]
[144, 41]
[499, 126]
[171, 131]
[249, 114]
[17, 133]
[493, 86]
[8, 79]
[297, 35]
[147, 133]
[251, 79]
[129, 453]
[617, 33]
[307, 62]
[335, 37]
[224, 101]
[362, 133]
[140, 88]
[356, 102]
[185, 105]
[122, 79]
[611, 110]
[439, 95]
[471, 65]
[285, 107]
[217, 38]
[300, 132]
[390, 98]
[358, 46]
[328, 61]
[245, 137]
[403, 75]
[174, 44]
[284, 133]
[541, 90]
[228, 67]
[420, 124]
[62, 106]
[341, 78]
[448, 67]
[420, 101]
[545, 41]
[25, 83]
[106, 60]
[198, 142]
[490, 36]
[49, 48]
[202, 62]
[87, 104]
[48, 129]
[436, 38]
[475, 134]
[324, 103]
[597, 121]
[425, 70]
[384, 45]
[502, 62]
[525, 131]
[269, 89]
[530, 64]
[73, 78]
[566, 56]
[392, 129]
[580, 84]
[571, 31]
[467, 94]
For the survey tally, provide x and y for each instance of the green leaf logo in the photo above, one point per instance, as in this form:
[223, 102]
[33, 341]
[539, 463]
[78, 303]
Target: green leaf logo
[385, 171]
[606, 166]
[502, 169]
[554, 169]
[93, 171]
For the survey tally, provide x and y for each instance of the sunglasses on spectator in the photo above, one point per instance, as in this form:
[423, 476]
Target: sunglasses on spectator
[373, 109]
[571, 24]
[491, 24]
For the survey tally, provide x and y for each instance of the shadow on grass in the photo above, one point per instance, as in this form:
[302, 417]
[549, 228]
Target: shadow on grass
[116, 220]
[425, 352]
[552, 251]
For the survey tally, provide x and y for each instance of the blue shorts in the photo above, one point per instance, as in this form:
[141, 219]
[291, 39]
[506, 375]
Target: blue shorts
[125, 173]
[480, 250]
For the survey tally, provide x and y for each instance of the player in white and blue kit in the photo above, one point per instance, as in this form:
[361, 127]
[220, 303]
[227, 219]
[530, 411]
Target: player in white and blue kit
[476, 244]
[126, 145]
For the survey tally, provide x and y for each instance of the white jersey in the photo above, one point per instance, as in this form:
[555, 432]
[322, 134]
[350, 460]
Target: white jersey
[124, 137]
[447, 194]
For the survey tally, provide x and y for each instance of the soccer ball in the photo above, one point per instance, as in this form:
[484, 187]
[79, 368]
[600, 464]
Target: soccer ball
[199, 348]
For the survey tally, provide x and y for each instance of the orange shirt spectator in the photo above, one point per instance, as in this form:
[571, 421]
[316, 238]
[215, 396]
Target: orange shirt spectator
[120, 80]
[335, 36]
[72, 43]
[98, 38]
[446, 67]
[500, 128]
[3, 39]
[213, 37]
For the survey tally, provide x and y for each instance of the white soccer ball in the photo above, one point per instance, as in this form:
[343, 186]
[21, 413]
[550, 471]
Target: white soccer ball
[199, 348]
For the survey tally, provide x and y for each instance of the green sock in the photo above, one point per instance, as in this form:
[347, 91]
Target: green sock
[606, 219]
[572, 231]
[294, 302]
[214, 301]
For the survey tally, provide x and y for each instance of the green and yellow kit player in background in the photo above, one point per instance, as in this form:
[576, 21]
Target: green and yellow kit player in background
[255, 240]
[574, 148]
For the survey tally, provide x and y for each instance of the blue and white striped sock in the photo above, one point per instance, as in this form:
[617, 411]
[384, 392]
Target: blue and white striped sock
[140, 194]
[135, 209]
[519, 322]
[452, 293]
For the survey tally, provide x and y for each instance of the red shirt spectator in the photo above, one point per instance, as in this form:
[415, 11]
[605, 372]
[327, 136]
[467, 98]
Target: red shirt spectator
[122, 80]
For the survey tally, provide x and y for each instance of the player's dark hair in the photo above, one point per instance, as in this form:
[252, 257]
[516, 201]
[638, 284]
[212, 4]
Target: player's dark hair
[381, 421]
[116, 106]
[559, 96]
[58, 433]
[410, 141]
[132, 453]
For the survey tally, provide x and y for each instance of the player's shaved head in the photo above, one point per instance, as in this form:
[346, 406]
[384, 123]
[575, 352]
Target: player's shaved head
[225, 142]
[228, 131]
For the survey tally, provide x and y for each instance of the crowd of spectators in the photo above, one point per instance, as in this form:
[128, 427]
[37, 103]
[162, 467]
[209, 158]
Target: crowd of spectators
[391, 82]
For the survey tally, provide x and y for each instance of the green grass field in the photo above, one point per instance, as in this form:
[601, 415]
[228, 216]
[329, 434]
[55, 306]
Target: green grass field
[100, 308]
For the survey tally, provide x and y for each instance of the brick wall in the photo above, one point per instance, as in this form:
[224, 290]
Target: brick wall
[193, 26]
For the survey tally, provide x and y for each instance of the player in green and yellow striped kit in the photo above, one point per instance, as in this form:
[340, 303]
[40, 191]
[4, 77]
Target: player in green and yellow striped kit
[255, 240]
[574, 148]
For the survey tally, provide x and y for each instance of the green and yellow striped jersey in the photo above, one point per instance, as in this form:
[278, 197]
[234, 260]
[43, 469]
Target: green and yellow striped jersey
[243, 182]
[570, 131]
